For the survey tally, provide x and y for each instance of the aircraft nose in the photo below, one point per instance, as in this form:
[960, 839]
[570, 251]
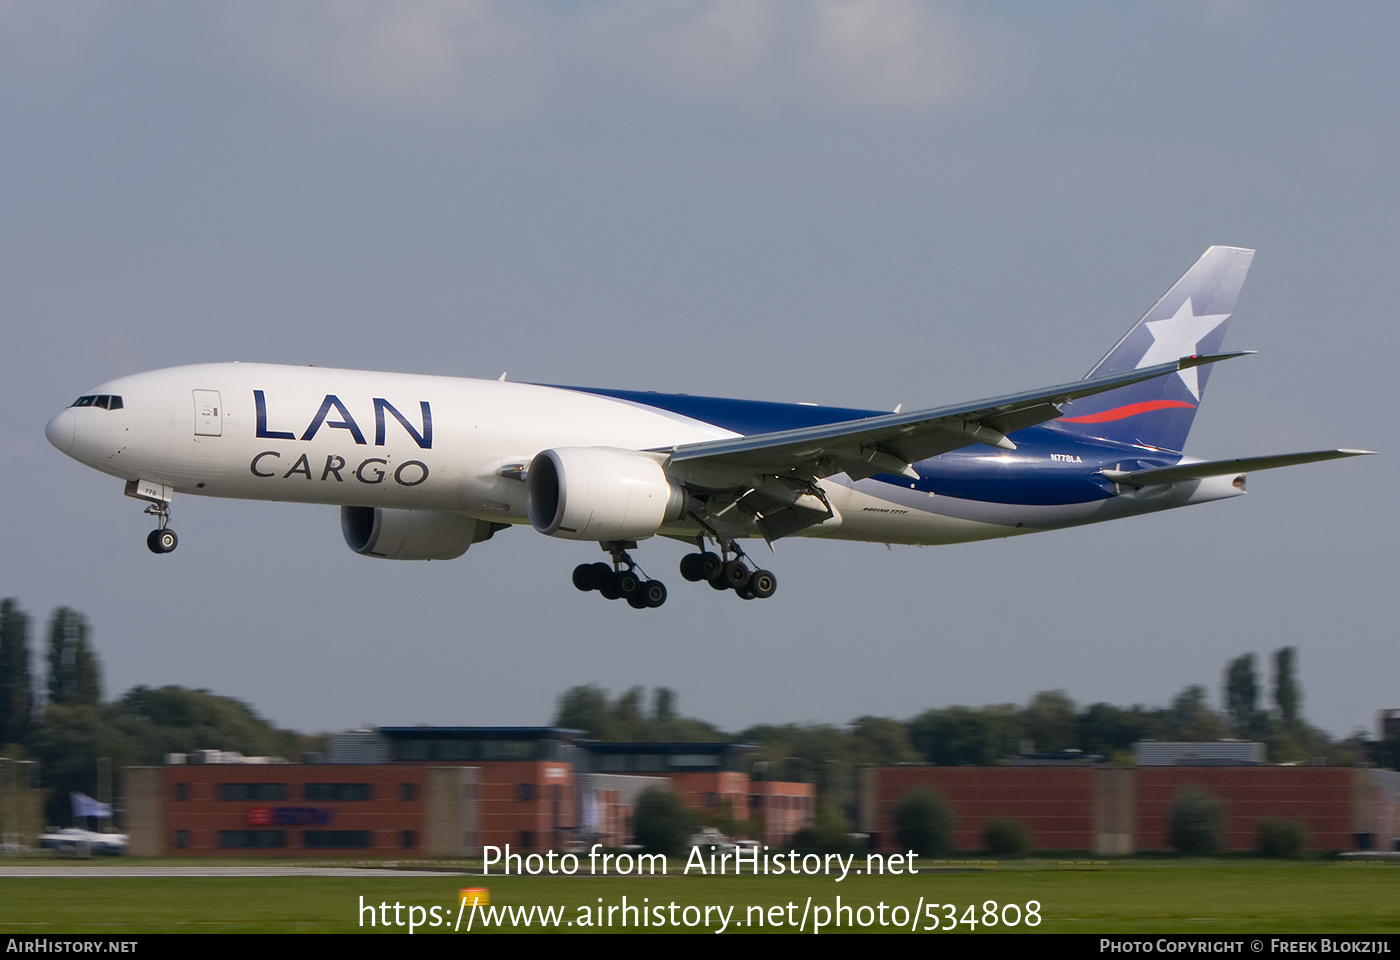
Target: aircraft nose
[60, 430]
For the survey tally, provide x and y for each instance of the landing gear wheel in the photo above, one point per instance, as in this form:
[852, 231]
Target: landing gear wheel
[736, 575]
[762, 584]
[626, 583]
[636, 601]
[745, 593]
[709, 565]
[583, 577]
[162, 541]
[653, 593]
[690, 567]
[719, 583]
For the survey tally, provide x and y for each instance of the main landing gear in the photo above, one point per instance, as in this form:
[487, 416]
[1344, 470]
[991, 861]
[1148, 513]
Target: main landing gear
[162, 539]
[620, 580]
[724, 573]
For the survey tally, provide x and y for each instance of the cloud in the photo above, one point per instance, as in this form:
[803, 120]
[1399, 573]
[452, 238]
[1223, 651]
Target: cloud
[502, 58]
[493, 58]
[478, 57]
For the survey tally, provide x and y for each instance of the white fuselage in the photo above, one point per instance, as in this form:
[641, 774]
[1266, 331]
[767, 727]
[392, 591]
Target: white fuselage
[358, 438]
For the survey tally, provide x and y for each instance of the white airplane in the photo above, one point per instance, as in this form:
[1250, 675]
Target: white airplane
[423, 467]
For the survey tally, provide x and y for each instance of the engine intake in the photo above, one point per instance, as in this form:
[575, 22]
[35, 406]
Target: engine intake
[411, 534]
[596, 493]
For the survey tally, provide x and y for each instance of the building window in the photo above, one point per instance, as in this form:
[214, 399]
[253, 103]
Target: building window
[182, 791]
[182, 839]
[336, 791]
[527, 792]
[527, 839]
[252, 791]
[711, 799]
[408, 791]
[252, 839]
[336, 839]
[408, 840]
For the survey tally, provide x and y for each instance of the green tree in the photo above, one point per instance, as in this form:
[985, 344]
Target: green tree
[1006, 837]
[179, 720]
[1242, 698]
[1189, 718]
[663, 706]
[74, 674]
[923, 823]
[830, 832]
[1107, 730]
[627, 716]
[882, 742]
[590, 709]
[585, 708]
[965, 736]
[1048, 720]
[1276, 837]
[1287, 695]
[1196, 823]
[16, 682]
[660, 824]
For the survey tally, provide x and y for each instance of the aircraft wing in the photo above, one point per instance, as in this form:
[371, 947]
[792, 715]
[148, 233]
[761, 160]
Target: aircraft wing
[892, 443]
[1218, 468]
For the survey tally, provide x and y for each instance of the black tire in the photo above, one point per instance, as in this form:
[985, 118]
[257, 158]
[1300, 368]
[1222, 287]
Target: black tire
[744, 592]
[626, 583]
[718, 583]
[710, 565]
[690, 567]
[654, 592]
[162, 541]
[607, 586]
[602, 573]
[637, 601]
[736, 574]
[583, 577]
[763, 584]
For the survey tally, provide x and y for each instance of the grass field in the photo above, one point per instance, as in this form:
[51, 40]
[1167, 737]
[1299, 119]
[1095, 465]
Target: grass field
[1130, 896]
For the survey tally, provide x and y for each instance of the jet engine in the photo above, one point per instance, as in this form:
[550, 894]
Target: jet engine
[411, 534]
[595, 493]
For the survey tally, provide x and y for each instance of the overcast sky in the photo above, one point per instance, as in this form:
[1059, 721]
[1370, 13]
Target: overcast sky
[855, 203]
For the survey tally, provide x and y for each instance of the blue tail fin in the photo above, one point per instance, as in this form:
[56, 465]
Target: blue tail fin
[1189, 319]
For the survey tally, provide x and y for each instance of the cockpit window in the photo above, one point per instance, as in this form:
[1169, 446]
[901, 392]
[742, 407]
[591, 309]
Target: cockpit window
[104, 400]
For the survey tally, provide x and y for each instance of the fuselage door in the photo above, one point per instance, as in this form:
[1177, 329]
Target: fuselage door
[208, 418]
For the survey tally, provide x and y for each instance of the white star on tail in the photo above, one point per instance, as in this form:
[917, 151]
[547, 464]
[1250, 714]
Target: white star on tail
[1177, 337]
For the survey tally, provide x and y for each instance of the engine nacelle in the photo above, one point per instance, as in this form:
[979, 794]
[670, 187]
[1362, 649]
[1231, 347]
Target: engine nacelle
[595, 493]
[411, 534]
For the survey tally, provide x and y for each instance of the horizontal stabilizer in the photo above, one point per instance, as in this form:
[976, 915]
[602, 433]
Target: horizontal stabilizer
[1218, 468]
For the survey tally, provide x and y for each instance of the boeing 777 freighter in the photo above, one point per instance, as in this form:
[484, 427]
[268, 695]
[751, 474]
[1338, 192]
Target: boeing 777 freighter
[423, 467]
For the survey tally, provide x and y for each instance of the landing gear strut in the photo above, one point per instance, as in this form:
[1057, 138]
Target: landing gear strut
[620, 580]
[162, 539]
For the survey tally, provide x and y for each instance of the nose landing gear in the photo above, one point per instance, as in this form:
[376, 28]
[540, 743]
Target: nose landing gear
[162, 539]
